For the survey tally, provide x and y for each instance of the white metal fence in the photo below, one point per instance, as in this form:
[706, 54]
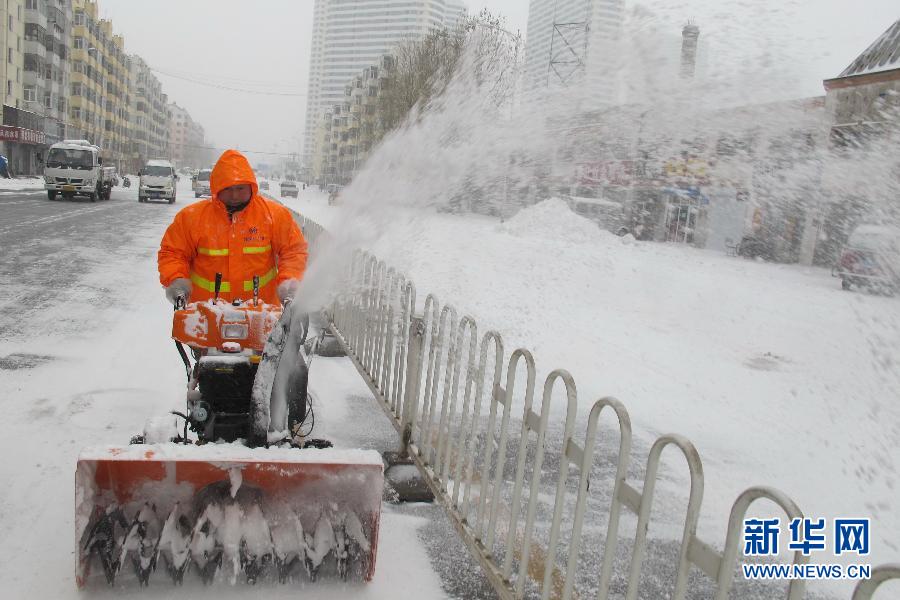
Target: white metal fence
[444, 388]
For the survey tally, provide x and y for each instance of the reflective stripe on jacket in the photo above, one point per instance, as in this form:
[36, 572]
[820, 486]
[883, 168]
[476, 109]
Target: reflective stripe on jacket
[261, 240]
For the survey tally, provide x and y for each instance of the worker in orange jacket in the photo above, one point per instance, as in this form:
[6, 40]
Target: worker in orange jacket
[237, 233]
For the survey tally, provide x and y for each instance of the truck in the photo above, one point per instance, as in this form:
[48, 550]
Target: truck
[75, 168]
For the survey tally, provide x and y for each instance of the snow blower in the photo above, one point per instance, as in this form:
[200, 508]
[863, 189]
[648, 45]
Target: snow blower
[249, 496]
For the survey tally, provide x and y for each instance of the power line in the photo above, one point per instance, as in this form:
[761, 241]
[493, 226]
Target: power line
[225, 87]
[224, 79]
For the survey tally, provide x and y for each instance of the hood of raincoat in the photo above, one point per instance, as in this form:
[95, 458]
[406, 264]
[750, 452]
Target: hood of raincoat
[231, 169]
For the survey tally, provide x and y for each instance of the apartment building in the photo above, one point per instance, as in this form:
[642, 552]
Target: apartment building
[47, 36]
[114, 138]
[186, 139]
[349, 130]
[12, 12]
[350, 35]
[149, 114]
[98, 104]
[21, 131]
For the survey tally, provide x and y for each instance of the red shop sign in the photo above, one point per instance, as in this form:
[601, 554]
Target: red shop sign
[8, 133]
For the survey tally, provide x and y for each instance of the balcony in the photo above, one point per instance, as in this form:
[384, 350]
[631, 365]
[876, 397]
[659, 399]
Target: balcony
[35, 17]
[33, 46]
[34, 63]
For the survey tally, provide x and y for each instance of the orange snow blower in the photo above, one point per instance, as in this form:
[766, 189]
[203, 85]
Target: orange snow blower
[249, 496]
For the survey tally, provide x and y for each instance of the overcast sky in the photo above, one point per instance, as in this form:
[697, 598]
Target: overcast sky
[264, 46]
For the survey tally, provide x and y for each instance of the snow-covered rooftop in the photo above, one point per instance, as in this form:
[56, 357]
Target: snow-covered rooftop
[882, 55]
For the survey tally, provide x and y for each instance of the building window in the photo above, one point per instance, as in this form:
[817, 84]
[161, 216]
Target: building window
[30, 94]
[78, 44]
[31, 4]
[79, 17]
[48, 100]
[9, 55]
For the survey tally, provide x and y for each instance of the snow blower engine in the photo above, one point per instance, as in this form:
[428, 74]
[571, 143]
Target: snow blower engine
[252, 497]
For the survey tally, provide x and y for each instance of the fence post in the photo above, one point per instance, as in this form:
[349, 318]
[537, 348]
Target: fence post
[415, 489]
[413, 379]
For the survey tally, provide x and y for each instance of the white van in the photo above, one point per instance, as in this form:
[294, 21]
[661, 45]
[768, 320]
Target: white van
[201, 184]
[157, 181]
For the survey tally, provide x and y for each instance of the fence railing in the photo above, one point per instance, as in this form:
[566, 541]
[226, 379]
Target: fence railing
[444, 388]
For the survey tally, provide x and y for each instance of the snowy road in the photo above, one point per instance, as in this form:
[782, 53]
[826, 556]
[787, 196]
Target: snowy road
[85, 358]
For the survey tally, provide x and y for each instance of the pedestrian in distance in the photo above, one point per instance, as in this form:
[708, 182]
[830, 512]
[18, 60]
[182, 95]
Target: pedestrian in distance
[4, 167]
[236, 232]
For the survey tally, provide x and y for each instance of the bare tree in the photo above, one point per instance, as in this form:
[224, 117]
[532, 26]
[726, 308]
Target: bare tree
[423, 69]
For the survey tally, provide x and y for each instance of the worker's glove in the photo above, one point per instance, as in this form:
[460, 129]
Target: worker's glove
[180, 287]
[287, 289]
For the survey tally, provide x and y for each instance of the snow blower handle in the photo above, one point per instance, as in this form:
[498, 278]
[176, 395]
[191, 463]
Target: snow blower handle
[218, 286]
[255, 290]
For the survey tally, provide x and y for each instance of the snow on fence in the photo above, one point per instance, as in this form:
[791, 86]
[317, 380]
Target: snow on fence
[445, 392]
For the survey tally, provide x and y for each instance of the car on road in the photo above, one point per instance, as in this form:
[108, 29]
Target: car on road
[289, 188]
[264, 185]
[157, 181]
[201, 183]
[871, 259]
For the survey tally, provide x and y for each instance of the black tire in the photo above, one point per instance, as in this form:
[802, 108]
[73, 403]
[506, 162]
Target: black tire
[51, 195]
[141, 199]
[93, 196]
[845, 284]
[172, 200]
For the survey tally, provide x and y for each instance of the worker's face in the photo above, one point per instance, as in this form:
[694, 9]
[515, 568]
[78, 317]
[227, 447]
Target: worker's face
[236, 194]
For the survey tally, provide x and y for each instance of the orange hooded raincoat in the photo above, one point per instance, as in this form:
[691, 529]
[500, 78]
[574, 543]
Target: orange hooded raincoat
[262, 239]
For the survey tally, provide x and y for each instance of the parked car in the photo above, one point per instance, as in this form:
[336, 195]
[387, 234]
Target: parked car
[756, 246]
[264, 185]
[871, 259]
[289, 188]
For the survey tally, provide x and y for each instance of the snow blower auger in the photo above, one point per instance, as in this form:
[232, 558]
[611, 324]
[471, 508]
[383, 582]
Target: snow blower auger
[252, 498]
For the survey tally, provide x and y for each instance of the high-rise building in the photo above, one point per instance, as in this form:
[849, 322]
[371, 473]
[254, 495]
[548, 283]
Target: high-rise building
[350, 35]
[569, 42]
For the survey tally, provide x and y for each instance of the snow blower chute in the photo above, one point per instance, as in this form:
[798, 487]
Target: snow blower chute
[248, 497]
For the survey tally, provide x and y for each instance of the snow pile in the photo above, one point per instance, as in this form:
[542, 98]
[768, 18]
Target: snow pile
[552, 219]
